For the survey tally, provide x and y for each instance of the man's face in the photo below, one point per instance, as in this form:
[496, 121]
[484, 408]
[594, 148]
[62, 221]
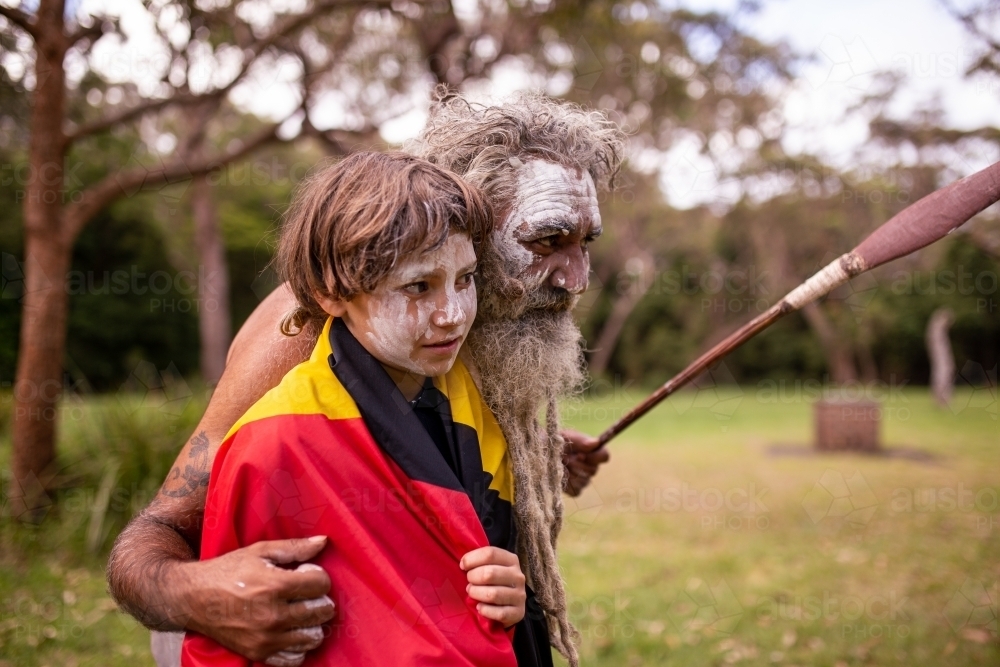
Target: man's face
[553, 218]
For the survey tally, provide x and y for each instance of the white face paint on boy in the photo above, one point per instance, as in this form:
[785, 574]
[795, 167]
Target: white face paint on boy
[418, 316]
[550, 223]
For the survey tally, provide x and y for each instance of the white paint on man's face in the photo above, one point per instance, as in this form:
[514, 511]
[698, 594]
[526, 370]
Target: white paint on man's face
[555, 210]
[419, 315]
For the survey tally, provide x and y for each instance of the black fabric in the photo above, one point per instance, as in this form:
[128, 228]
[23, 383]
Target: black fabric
[429, 446]
[387, 414]
[531, 636]
[400, 431]
[431, 406]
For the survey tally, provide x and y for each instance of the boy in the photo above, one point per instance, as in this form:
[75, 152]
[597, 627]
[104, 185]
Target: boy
[380, 441]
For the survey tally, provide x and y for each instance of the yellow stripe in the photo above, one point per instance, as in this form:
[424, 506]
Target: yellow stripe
[308, 389]
[312, 389]
[467, 407]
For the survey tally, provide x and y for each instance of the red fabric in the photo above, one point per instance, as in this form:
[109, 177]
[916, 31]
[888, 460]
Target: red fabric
[394, 549]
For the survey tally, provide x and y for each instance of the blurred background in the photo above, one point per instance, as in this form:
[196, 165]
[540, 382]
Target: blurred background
[766, 139]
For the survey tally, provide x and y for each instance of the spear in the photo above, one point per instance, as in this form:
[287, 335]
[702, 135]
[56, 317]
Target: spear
[918, 225]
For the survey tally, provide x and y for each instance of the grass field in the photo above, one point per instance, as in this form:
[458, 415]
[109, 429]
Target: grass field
[714, 537]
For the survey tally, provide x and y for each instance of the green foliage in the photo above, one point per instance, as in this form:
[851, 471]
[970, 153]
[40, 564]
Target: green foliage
[713, 274]
[10, 269]
[114, 453]
[252, 197]
[127, 302]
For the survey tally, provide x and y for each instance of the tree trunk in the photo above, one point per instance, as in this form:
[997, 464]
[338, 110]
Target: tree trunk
[620, 310]
[213, 282]
[47, 253]
[838, 356]
[38, 386]
[939, 351]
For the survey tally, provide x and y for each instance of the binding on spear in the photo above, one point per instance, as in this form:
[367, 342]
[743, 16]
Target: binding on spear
[918, 225]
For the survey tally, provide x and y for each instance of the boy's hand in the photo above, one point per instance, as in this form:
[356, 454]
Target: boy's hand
[496, 583]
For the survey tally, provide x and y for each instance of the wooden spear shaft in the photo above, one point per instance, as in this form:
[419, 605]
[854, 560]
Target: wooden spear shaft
[916, 226]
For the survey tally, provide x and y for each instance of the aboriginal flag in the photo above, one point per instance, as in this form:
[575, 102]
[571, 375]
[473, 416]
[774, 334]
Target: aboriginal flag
[335, 449]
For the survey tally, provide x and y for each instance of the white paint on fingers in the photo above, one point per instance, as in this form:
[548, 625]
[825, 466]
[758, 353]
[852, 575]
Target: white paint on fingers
[285, 659]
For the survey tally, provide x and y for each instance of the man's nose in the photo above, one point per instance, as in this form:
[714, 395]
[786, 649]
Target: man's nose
[572, 269]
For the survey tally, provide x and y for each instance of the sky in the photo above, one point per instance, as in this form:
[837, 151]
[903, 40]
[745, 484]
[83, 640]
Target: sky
[852, 39]
[849, 41]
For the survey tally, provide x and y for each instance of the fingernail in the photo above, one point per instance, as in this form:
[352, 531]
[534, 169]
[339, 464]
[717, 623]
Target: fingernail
[316, 539]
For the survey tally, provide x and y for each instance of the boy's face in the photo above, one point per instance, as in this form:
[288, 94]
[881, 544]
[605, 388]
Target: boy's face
[419, 315]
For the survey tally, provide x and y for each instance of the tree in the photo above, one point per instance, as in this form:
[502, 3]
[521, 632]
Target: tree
[693, 90]
[56, 207]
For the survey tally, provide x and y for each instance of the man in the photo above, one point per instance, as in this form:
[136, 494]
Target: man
[540, 162]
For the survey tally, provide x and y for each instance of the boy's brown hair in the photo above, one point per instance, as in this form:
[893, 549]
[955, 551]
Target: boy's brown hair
[350, 223]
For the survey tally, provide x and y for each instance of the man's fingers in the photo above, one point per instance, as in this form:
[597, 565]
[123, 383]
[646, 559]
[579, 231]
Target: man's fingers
[304, 583]
[579, 442]
[285, 659]
[301, 640]
[290, 551]
[487, 556]
[582, 468]
[308, 613]
[598, 457]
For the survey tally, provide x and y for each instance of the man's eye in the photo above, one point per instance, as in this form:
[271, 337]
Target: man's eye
[416, 288]
[466, 279]
[547, 241]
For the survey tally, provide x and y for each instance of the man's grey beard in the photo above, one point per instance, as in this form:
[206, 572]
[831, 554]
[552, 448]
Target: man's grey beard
[524, 362]
[524, 340]
[528, 352]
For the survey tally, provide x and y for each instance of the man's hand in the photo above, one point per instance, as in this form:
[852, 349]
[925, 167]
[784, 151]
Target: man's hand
[244, 601]
[153, 573]
[496, 583]
[581, 460]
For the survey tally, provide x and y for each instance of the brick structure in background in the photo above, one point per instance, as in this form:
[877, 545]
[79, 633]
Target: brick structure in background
[843, 425]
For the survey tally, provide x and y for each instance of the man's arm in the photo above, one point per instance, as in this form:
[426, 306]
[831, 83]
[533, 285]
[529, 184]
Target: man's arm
[153, 571]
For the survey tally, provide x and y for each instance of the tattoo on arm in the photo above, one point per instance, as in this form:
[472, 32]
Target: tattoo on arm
[194, 476]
